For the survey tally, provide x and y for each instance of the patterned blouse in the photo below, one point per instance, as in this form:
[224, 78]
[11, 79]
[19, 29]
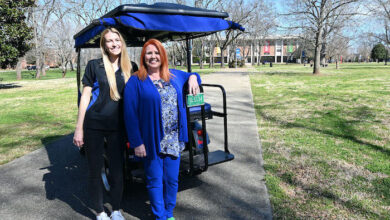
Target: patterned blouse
[170, 144]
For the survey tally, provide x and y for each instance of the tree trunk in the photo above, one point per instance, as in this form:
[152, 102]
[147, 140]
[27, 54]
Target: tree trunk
[201, 55]
[64, 69]
[43, 69]
[71, 65]
[38, 70]
[19, 69]
[337, 63]
[317, 52]
[222, 59]
[258, 55]
[38, 60]
[252, 54]
[323, 54]
[211, 62]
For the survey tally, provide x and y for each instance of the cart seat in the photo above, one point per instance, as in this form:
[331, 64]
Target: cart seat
[196, 113]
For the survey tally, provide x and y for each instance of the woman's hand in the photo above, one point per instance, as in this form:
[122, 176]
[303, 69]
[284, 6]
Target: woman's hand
[78, 138]
[193, 85]
[140, 151]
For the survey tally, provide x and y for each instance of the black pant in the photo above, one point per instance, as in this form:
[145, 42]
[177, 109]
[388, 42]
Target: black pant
[94, 142]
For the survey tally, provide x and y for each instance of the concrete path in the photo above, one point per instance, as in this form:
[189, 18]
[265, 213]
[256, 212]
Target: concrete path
[50, 183]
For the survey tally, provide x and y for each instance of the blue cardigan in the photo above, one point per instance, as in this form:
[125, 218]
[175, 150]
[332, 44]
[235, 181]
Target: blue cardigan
[142, 111]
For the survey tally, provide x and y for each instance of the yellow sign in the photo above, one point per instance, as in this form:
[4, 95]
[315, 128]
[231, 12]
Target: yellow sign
[217, 50]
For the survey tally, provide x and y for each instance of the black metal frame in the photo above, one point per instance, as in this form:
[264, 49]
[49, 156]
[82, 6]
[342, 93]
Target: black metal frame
[217, 156]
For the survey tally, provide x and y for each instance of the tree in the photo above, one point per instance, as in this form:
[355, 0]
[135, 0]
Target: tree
[240, 11]
[42, 21]
[317, 17]
[85, 11]
[378, 52]
[199, 45]
[338, 47]
[62, 43]
[260, 27]
[14, 31]
[381, 11]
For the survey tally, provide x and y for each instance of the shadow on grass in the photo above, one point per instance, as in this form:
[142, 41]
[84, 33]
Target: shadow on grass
[288, 73]
[9, 86]
[315, 191]
[336, 126]
[382, 189]
[359, 67]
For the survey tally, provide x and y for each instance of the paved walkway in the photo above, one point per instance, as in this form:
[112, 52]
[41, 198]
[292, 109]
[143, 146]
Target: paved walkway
[50, 183]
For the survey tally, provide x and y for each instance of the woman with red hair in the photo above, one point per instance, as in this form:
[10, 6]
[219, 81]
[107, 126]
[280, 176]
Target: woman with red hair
[156, 123]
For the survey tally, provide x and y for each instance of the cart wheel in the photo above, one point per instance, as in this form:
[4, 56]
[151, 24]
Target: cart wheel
[104, 173]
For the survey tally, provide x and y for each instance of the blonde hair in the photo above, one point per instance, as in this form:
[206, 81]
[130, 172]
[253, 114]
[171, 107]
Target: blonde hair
[125, 63]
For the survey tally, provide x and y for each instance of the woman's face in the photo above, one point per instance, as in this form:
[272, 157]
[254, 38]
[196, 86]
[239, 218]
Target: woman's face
[152, 57]
[113, 44]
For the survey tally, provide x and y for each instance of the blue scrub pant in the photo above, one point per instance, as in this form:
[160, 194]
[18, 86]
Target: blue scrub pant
[162, 174]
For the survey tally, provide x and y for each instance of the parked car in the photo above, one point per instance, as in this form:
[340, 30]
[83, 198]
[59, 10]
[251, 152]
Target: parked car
[32, 67]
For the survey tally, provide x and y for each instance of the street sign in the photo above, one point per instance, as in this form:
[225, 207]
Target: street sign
[195, 100]
[238, 54]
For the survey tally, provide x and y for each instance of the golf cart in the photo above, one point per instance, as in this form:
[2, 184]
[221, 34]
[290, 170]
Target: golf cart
[167, 22]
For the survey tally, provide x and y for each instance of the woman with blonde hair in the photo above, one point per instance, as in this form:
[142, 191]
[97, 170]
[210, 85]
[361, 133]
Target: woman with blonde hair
[100, 119]
[156, 123]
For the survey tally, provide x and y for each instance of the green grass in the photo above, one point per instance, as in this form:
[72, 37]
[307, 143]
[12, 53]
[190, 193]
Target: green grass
[35, 112]
[30, 75]
[325, 139]
[205, 70]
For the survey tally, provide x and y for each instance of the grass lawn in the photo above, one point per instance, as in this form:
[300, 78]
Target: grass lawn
[30, 75]
[326, 140]
[35, 112]
[206, 70]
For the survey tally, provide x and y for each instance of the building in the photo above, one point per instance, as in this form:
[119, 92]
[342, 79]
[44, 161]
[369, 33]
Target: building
[275, 49]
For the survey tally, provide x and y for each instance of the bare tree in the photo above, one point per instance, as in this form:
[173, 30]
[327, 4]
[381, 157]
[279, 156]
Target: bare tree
[198, 48]
[320, 17]
[260, 27]
[338, 47]
[381, 10]
[61, 40]
[42, 18]
[85, 11]
[364, 48]
[200, 44]
[240, 11]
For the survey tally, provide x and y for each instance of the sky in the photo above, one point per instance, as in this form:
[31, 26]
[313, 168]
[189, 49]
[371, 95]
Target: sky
[364, 24]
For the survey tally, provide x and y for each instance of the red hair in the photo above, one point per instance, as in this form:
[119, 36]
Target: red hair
[142, 73]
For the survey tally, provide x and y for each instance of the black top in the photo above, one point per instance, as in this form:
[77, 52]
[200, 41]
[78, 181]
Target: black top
[103, 113]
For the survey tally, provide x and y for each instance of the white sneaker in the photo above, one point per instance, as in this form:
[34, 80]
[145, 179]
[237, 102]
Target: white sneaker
[103, 216]
[116, 215]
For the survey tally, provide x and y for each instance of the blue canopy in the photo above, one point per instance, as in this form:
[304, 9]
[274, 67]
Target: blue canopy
[163, 21]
